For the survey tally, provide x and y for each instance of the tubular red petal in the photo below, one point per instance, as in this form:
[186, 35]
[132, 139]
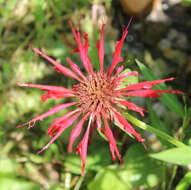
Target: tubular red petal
[47, 87]
[101, 49]
[75, 68]
[55, 96]
[76, 132]
[132, 106]
[119, 70]
[54, 92]
[57, 121]
[127, 126]
[117, 52]
[82, 147]
[145, 85]
[151, 93]
[86, 41]
[82, 49]
[58, 66]
[64, 126]
[67, 121]
[98, 121]
[110, 137]
[116, 56]
[50, 112]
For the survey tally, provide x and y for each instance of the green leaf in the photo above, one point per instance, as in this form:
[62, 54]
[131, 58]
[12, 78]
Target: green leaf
[58, 49]
[186, 2]
[1, 79]
[98, 157]
[157, 124]
[5, 111]
[181, 156]
[39, 10]
[108, 179]
[151, 129]
[93, 54]
[137, 170]
[155, 120]
[189, 112]
[7, 71]
[170, 100]
[37, 158]
[7, 166]
[56, 187]
[7, 183]
[144, 171]
[73, 163]
[8, 147]
[185, 182]
[129, 80]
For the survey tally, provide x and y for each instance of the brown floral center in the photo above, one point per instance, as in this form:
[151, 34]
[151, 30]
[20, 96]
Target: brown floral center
[96, 93]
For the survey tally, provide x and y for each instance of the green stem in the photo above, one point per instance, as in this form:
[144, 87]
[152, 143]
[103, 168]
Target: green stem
[172, 177]
[163, 185]
[185, 120]
[157, 132]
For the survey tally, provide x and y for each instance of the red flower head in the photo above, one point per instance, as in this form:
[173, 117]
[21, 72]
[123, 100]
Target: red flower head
[98, 97]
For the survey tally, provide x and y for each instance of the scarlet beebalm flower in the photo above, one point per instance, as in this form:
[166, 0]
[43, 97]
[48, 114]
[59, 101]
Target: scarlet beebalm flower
[99, 97]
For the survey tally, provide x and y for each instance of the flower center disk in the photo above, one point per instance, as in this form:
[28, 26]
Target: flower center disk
[96, 93]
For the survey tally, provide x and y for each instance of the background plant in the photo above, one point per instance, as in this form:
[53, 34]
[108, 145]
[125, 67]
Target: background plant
[45, 25]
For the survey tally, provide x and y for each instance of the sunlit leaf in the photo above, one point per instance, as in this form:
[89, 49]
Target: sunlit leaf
[129, 80]
[17, 184]
[180, 156]
[143, 170]
[109, 179]
[7, 166]
[185, 182]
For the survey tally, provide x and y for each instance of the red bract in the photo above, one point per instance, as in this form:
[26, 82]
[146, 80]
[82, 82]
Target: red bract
[99, 97]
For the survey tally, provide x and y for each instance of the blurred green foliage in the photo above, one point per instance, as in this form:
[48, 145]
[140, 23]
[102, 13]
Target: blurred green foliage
[186, 2]
[44, 24]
